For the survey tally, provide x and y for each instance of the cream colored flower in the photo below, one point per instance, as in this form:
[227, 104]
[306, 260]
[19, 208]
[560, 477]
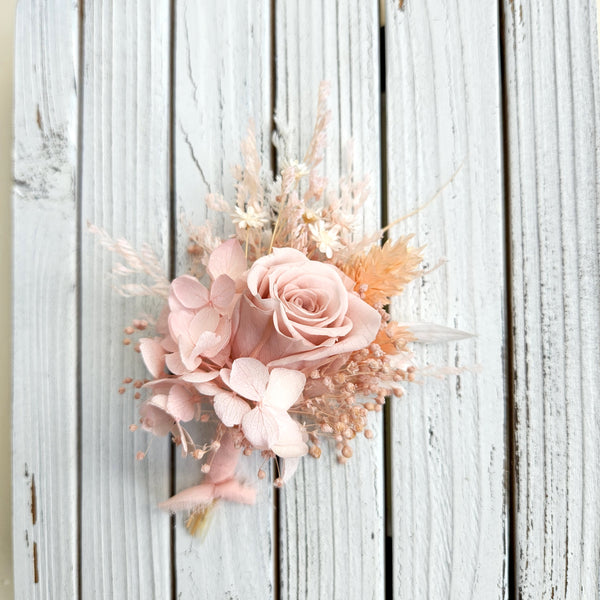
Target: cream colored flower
[251, 218]
[325, 237]
[311, 216]
[301, 169]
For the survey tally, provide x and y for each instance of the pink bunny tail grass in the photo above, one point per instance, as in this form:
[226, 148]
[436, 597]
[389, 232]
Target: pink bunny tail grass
[219, 484]
[190, 499]
[136, 262]
[205, 494]
[201, 499]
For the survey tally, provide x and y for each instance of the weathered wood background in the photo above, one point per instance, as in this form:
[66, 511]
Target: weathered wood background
[482, 485]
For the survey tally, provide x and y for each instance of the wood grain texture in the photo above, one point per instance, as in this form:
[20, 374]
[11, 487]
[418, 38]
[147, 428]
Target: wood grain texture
[447, 448]
[553, 126]
[125, 550]
[332, 516]
[222, 82]
[45, 301]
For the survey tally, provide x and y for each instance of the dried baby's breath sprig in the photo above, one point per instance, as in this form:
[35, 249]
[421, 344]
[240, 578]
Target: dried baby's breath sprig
[141, 262]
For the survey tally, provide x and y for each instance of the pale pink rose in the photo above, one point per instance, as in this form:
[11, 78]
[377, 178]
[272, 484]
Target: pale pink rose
[299, 313]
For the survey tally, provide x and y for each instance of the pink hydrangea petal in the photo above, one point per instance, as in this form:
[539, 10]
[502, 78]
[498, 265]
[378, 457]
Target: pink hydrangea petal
[200, 376]
[206, 319]
[222, 292]
[289, 467]
[168, 343]
[284, 388]
[206, 344]
[208, 388]
[190, 498]
[190, 292]
[249, 378]
[189, 352]
[221, 357]
[160, 386]
[290, 441]
[155, 417]
[181, 404]
[225, 375]
[227, 259]
[175, 364]
[201, 381]
[179, 323]
[153, 355]
[223, 332]
[260, 428]
[230, 408]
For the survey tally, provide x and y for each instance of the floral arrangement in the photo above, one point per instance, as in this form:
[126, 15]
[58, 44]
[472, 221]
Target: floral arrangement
[278, 334]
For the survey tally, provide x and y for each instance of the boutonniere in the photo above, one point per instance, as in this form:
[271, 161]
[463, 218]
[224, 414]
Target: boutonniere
[278, 335]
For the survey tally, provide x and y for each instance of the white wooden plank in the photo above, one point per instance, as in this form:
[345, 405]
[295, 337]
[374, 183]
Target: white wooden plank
[222, 81]
[553, 123]
[125, 545]
[332, 516]
[45, 301]
[448, 448]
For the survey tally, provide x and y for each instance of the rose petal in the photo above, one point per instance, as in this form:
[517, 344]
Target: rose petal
[249, 378]
[230, 408]
[365, 320]
[251, 323]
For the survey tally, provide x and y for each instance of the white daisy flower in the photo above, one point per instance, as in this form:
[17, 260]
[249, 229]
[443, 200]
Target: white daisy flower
[250, 218]
[325, 237]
